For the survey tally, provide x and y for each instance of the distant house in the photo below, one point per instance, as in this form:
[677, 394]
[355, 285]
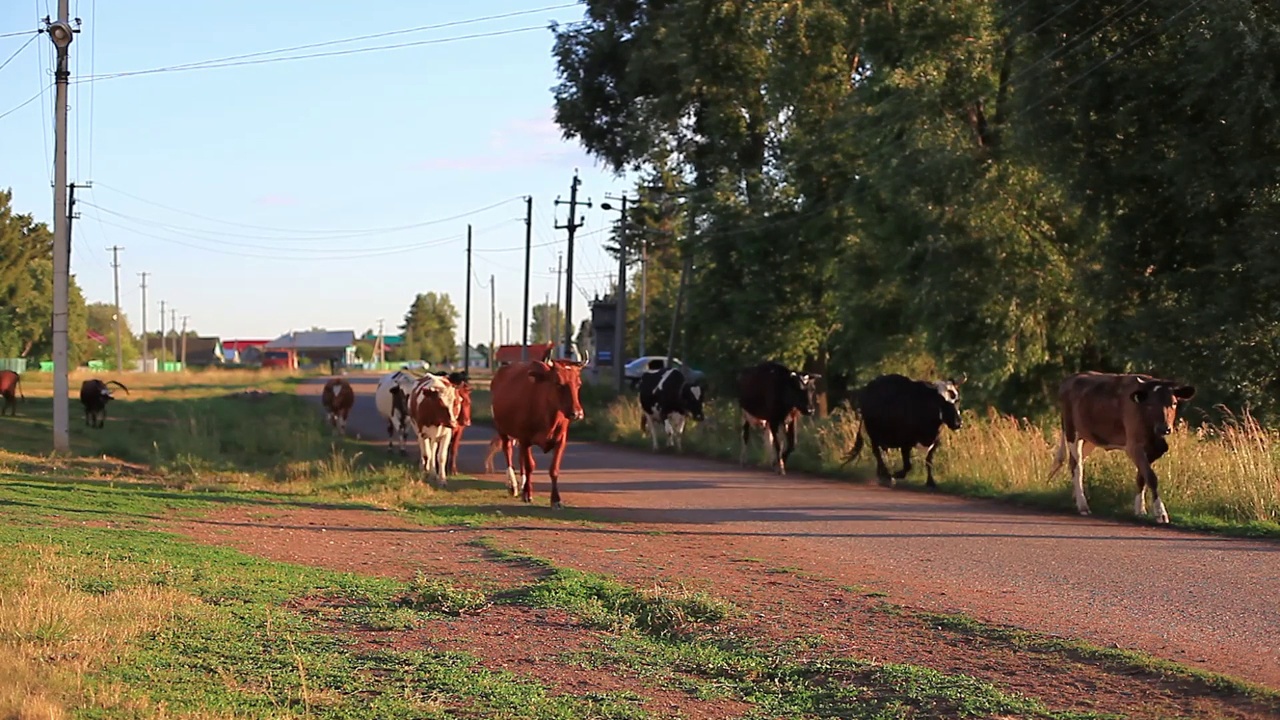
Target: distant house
[201, 351]
[335, 348]
[508, 354]
[243, 352]
[477, 359]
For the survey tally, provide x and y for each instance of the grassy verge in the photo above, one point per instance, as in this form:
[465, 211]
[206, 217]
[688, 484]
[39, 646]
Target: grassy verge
[1222, 478]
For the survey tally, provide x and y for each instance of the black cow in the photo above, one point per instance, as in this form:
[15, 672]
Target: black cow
[94, 396]
[667, 399]
[772, 398]
[898, 412]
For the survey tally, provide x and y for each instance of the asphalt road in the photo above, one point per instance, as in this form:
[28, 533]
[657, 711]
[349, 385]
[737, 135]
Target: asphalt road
[1207, 601]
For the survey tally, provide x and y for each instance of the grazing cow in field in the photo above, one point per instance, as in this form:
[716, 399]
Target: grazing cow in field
[10, 386]
[338, 398]
[94, 396]
[433, 409]
[462, 383]
[392, 400]
[666, 400]
[533, 404]
[772, 398]
[898, 412]
[1118, 411]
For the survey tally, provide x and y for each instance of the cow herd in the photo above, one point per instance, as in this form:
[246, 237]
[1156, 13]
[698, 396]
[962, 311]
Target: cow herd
[534, 403]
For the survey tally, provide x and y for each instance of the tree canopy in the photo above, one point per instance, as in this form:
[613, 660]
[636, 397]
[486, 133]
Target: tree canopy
[1014, 189]
[429, 329]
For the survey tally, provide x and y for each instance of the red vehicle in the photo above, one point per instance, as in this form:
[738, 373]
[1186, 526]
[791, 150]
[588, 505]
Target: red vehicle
[284, 359]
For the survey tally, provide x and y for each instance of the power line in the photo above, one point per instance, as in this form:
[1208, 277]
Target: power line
[19, 50]
[330, 233]
[212, 64]
[25, 103]
[19, 33]
[371, 36]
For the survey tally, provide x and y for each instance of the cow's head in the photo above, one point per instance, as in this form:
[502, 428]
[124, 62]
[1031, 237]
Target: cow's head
[949, 408]
[801, 392]
[1157, 402]
[566, 377]
[691, 397]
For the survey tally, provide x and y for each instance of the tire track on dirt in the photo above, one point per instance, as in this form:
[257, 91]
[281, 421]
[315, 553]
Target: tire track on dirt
[1206, 601]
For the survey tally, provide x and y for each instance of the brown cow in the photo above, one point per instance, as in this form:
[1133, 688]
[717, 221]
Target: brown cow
[533, 404]
[338, 398]
[1115, 411]
[10, 384]
[433, 409]
[463, 412]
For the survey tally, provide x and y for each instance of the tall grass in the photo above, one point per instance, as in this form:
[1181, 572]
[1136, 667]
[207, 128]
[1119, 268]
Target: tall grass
[1225, 472]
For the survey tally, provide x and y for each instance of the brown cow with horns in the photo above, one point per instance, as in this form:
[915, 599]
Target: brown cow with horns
[1114, 411]
[533, 404]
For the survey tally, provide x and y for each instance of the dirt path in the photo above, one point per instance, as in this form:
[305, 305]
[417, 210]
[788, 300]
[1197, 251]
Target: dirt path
[1205, 601]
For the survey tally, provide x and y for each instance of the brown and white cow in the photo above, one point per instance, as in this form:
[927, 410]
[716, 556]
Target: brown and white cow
[1118, 411]
[10, 385]
[433, 410]
[533, 404]
[338, 398]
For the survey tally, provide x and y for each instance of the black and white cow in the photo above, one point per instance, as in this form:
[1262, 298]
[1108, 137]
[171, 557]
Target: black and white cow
[898, 412]
[772, 398]
[667, 400]
[392, 400]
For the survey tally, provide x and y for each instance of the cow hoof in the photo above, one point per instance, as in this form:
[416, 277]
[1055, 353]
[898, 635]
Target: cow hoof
[1084, 513]
[557, 505]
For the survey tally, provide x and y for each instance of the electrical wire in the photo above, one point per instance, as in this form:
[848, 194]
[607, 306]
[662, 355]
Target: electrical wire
[19, 50]
[329, 233]
[25, 103]
[208, 65]
[19, 33]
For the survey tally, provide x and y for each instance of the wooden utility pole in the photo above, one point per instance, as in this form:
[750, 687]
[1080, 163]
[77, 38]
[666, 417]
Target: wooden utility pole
[572, 226]
[382, 346]
[173, 327]
[145, 354]
[184, 341]
[115, 267]
[466, 331]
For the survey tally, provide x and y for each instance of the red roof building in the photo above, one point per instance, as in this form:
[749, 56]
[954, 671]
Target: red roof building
[511, 353]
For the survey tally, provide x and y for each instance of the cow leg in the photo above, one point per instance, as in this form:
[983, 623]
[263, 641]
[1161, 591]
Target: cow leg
[443, 441]
[777, 436]
[455, 442]
[557, 454]
[906, 463]
[746, 437]
[526, 473]
[1147, 476]
[511, 473]
[928, 465]
[790, 428]
[675, 428]
[652, 422]
[882, 470]
[1076, 453]
[1140, 499]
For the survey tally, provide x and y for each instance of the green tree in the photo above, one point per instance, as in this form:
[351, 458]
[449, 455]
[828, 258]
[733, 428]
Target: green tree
[100, 318]
[546, 318]
[429, 329]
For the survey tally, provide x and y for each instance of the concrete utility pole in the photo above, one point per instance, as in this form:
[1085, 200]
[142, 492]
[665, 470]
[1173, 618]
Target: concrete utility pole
[501, 326]
[620, 299]
[115, 267]
[164, 347]
[675, 321]
[173, 327]
[61, 34]
[644, 288]
[508, 331]
[184, 340]
[493, 323]
[555, 318]
[546, 319]
[144, 320]
[572, 226]
[528, 250]
[466, 331]
[71, 217]
[382, 346]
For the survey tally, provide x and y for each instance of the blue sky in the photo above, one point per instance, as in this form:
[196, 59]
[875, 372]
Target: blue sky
[248, 192]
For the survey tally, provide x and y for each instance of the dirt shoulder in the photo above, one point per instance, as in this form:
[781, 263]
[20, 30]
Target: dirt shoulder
[827, 608]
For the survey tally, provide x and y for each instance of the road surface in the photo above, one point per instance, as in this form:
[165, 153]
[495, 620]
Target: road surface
[1207, 601]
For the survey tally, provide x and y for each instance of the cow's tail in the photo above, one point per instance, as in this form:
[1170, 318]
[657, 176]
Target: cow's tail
[852, 455]
[118, 384]
[1060, 455]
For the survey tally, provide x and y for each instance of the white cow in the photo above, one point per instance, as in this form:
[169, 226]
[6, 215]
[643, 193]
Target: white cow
[392, 399]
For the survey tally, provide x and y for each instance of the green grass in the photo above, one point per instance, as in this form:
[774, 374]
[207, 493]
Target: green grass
[1222, 478]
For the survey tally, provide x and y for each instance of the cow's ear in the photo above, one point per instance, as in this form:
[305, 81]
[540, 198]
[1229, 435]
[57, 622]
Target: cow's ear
[1184, 392]
[1139, 396]
[538, 372]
